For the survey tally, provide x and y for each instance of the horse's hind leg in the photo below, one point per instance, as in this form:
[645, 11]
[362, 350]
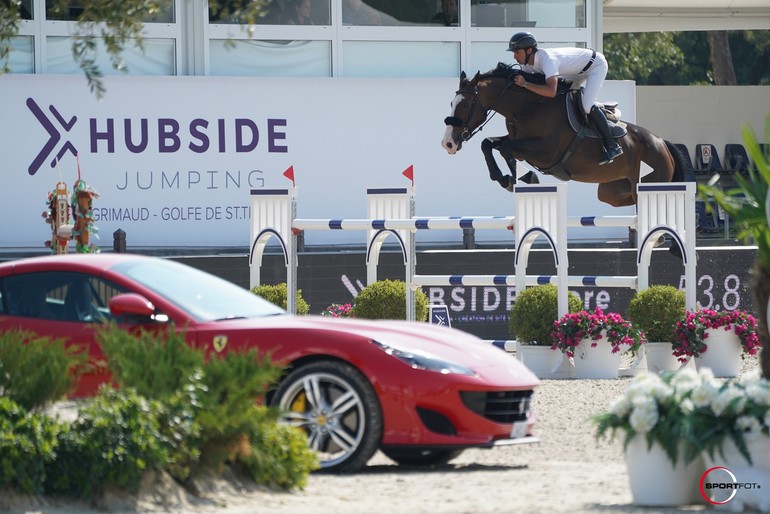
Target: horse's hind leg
[506, 149]
[619, 193]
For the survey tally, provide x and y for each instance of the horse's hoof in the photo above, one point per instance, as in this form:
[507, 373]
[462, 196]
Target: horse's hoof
[511, 184]
[530, 178]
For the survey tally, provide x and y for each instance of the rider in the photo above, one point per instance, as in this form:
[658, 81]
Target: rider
[579, 65]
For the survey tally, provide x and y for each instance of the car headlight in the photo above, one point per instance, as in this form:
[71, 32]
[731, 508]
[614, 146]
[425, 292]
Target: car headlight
[424, 361]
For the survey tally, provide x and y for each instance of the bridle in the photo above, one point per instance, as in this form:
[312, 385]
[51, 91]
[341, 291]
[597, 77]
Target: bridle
[454, 121]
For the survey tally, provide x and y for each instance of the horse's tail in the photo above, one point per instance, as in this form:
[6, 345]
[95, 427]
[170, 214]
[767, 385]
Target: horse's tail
[679, 162]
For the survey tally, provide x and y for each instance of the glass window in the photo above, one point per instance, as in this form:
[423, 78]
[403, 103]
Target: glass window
[158, 57]
[528, 13]
[21, 59]
[270, 58]
[60, 296]
[276, 12]
[401, 59]
[73, 9]
[448, 15]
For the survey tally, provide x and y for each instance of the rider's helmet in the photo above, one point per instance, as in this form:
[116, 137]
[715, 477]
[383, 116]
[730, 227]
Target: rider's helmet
[522, 40]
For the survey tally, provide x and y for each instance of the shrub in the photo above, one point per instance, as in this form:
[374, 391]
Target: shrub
[534, 312]
[27, 446]
[157, 364]
[386, 299]
[278, 294]
[113, 441]
[35, 370]
[656, 310]
[233, 384]
[279, 454]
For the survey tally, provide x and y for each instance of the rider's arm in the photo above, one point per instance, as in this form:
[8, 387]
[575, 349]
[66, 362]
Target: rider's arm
[548, 89]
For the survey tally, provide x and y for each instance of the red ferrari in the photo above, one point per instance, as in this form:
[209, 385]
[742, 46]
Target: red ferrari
[418, 392]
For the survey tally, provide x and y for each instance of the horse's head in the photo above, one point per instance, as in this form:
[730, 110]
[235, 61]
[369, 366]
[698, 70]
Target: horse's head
[468, 114]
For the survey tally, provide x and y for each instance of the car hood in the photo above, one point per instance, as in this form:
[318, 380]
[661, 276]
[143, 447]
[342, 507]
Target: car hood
[451, 344]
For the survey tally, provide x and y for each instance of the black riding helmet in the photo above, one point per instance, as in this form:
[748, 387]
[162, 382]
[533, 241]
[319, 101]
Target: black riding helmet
[522, 40]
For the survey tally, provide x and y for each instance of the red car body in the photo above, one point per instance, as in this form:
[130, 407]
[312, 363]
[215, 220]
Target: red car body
[438, 390]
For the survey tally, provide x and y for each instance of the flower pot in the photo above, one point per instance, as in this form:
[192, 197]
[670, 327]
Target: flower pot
[757, 495]
[596, 362]
[655, 481]
[723, 354]
[542, 361]
[660, 358]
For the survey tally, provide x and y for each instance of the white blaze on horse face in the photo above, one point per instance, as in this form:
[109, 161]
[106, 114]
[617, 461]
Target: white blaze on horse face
[449, 144]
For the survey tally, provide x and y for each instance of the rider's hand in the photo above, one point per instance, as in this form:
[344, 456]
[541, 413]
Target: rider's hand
[519, 81]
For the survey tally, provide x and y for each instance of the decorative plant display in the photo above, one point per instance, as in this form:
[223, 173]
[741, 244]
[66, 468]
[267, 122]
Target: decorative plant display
[535, 311]
[71, 217]
[656, 310]
[386, 299]
[82, 217]
[337, 310]
[691, 332]
[573, 328]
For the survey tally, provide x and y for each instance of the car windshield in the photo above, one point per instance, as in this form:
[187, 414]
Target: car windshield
[203, 296]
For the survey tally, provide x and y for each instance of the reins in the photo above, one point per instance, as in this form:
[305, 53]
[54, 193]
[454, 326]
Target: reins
[454, 121]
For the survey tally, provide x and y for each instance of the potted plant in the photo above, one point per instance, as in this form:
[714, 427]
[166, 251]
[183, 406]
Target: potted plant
[746, 204]
[531, 322]
[655, 311]
[663, 468]
[730, 335]
[597, 339]
[386, 299]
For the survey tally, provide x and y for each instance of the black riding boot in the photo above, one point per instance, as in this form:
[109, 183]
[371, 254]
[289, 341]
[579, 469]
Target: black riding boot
[611, 147]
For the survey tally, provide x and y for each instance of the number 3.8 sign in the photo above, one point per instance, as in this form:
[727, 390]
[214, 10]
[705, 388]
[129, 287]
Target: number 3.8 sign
[720, 293]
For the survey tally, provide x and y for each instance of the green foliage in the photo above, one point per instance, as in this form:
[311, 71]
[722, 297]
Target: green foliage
[656, 310]
[279, 455]
[27, 446]
[278, 295]
[637, 55]
[113, 441]
[157, 364]
[37, 370]
[386, 299]
[9, 29]
[534, 312]
[233, 384]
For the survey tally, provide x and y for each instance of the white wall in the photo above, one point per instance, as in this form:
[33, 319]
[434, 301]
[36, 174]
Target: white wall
[703, 114]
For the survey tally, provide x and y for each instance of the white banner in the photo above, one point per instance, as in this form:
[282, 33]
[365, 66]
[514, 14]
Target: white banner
[174, 158]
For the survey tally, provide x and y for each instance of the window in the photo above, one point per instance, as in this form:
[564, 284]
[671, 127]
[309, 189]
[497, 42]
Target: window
[60, 296]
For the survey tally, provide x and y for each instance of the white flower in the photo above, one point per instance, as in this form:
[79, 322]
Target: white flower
[759, 392]
[767, 419]
[685, 381]
[722, 401]
[748, 424]
[644, 415]
[704, 394]
[686, 406]
[620, 407]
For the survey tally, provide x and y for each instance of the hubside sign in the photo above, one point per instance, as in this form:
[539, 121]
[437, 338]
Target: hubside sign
[175, 158]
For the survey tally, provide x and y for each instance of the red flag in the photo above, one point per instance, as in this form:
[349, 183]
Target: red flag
[409, 173]
[289, 174]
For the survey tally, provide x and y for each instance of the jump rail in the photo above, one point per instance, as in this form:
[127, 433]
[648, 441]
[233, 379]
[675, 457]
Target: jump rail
[540, 213]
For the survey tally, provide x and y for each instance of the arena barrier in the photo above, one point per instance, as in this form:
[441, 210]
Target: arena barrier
[662, 209]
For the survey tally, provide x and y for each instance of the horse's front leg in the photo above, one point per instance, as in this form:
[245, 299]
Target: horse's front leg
[494, 143]
[508, 149]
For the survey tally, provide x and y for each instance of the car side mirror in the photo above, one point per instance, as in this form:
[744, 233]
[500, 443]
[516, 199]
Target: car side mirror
[131, 304]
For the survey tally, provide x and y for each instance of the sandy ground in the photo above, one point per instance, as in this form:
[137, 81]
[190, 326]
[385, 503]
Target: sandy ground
[569, 471]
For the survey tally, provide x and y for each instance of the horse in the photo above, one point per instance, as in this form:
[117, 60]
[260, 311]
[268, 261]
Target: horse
[540, 132]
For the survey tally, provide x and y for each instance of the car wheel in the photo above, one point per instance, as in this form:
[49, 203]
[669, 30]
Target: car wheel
[338, 409]
[421, 456]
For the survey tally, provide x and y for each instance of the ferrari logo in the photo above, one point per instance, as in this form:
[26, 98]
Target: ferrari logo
[219, 343]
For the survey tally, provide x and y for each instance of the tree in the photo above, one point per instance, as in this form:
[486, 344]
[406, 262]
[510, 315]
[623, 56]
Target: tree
[116, 24]
[721, 58]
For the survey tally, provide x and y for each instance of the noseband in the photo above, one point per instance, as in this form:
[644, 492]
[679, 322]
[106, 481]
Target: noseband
[454, 121]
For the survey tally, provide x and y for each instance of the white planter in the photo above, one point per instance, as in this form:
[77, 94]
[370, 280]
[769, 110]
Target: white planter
[757, 474]
[596, 362]
[655, 481]
[660, 358]
[723, 354]
[543, 362]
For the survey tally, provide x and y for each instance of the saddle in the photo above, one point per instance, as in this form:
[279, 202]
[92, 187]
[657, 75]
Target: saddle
[577, 118]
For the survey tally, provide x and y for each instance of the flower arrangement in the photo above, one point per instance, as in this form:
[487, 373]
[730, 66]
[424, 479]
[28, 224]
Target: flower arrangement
[337, 310]
[690, 333]
[573, 327]
[688, 412]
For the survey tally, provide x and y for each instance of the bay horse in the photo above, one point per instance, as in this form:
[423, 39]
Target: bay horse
[540, 132]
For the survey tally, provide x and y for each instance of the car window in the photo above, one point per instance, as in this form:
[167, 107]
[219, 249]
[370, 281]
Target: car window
[203, 296]
[60, 296]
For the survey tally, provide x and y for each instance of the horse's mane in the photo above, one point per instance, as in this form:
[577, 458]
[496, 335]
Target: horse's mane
[507, 71]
